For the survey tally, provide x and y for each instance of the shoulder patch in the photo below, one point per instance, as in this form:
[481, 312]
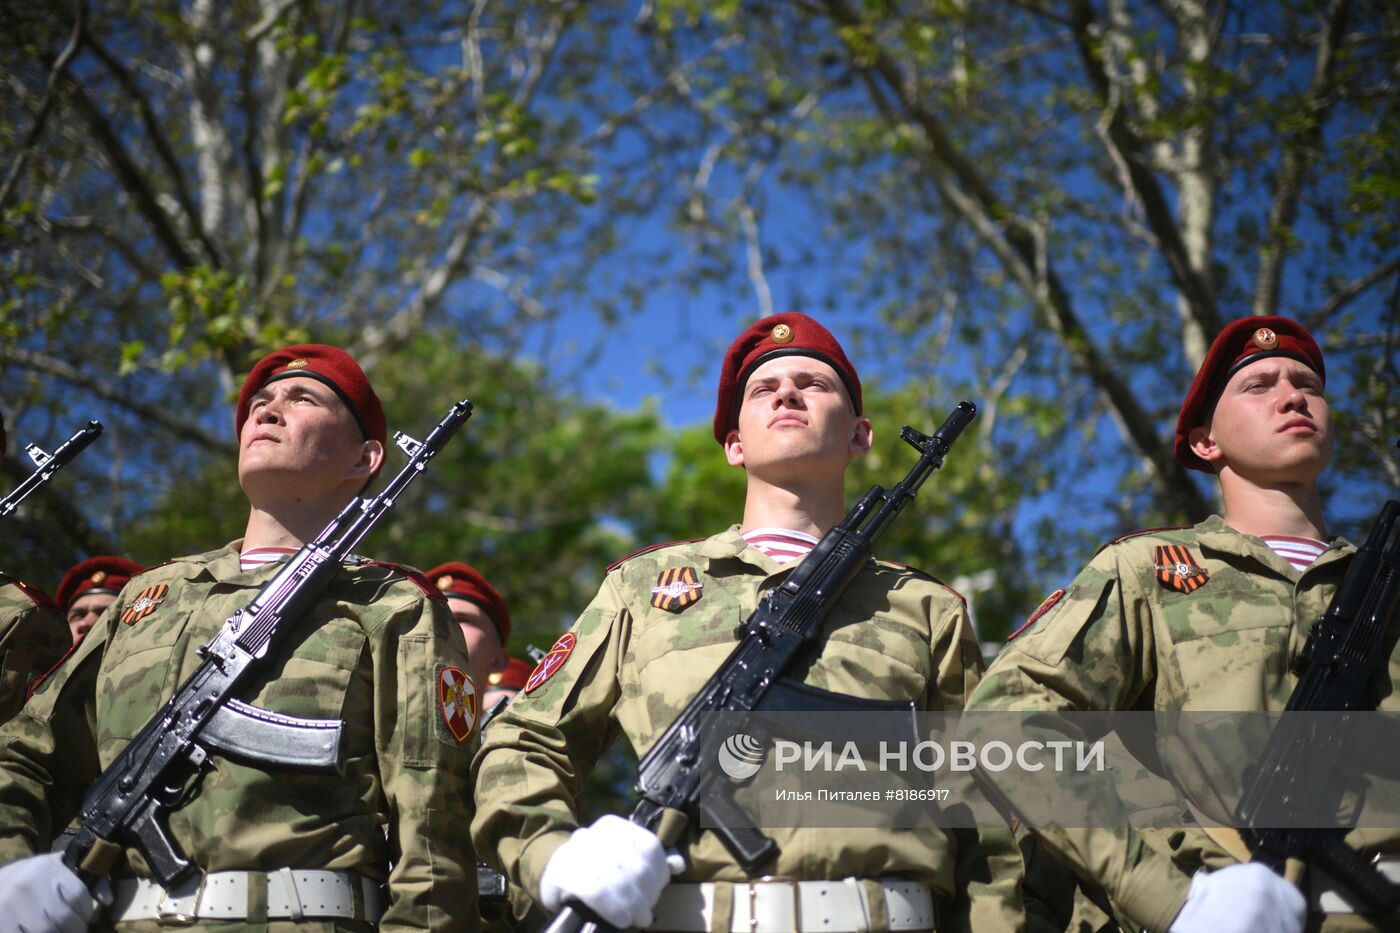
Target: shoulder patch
[647, 550]
[1139, 533]
[36, 595]
[457, 702]
[552, 661]
[414, 575]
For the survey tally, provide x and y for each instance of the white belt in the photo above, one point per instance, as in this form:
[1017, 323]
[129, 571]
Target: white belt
[1330, 898]
[775, 906]
[292, 894]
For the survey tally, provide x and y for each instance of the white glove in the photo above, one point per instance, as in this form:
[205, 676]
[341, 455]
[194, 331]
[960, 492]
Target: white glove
[40, 894]
[1246, 898]
[615, 867]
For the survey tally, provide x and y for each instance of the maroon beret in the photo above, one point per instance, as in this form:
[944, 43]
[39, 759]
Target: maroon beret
[463, 581]
[1240, 343]
[104, 574]
[515, 675]
[788, 334]
[329, 365]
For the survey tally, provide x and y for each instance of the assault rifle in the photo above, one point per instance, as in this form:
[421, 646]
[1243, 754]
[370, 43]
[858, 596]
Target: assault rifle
[47, 464]
[676, 779]
[1344, 650]
[130, 801]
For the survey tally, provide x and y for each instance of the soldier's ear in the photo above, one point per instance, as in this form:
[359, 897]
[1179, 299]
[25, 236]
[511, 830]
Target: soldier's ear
[371, 456]
[734, 448]
[862, 438]
[1203, 445]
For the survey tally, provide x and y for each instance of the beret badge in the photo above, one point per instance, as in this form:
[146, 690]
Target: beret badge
[1265, 339]
[782, 334]
[444, 581]
[299, 364]
[98, 578]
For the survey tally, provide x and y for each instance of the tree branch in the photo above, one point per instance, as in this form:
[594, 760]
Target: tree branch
[1349, 291]
[184, 429]
[1021, 253]
[1299, 154]
[263, 26]
[56, 71]
[1132, 152]
[161, 144]
[129, 175]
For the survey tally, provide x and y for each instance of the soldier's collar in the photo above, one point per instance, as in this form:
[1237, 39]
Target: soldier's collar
[223, 563]
[1213, 534]
[730, 545]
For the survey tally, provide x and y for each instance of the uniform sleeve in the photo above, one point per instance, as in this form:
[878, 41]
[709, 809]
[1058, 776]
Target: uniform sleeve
[957, 659]
[48, 753]
[1093, 650]
[537, 755]
[425, 728]
[33, 638]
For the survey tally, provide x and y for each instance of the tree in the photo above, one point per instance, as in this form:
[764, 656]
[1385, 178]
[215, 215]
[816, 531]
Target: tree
[190, 184]
[1062, 204]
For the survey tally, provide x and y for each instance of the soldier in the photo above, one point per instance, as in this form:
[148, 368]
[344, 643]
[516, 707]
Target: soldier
[1204, 618]
[482, 614]
[32, 635]
[384, 842]
[89, 587]
[789, 414]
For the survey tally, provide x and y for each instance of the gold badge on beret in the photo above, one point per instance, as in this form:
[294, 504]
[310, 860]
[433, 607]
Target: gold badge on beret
[1265, 339]
[444, 581]
[98, 578]
[299, 364]
[781, 334]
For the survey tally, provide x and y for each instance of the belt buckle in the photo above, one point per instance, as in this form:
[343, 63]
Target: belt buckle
[168, 916]
[796, 900]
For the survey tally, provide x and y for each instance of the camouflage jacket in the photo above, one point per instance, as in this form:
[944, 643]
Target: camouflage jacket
[372, 653]
[1191, 619]
[33, 637]
[896, 634]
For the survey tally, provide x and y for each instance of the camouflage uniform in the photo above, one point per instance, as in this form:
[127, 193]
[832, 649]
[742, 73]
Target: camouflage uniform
[895, 635]
[370, 653]
[1120, 639]
[33, 637]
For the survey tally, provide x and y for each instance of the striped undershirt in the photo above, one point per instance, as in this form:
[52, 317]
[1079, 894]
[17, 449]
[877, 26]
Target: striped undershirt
[1300, 552]
[256, 557]
[781, 544]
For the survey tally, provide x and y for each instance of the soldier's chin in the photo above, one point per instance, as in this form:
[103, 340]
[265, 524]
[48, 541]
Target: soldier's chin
[257, 476]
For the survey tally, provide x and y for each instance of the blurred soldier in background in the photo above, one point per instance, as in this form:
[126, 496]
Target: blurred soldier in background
[482, 614]
[506, 682]
[89, 587]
